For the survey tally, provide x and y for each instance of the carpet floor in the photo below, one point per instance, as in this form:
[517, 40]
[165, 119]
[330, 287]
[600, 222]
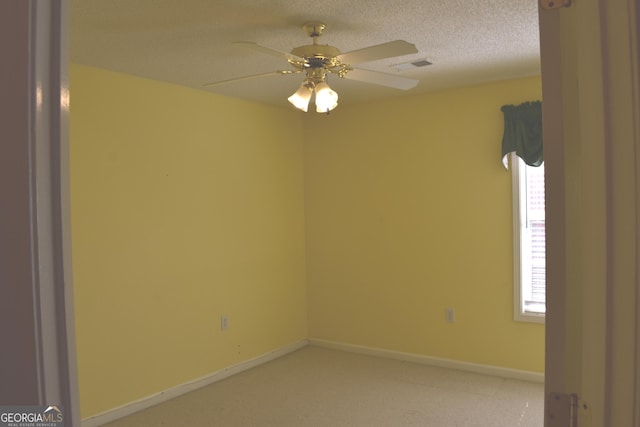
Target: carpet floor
[327, 388]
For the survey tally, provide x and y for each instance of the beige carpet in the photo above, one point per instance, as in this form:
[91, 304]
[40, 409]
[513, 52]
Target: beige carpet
[327, 388]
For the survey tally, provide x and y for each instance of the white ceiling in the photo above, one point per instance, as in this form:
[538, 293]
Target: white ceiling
[189, 42]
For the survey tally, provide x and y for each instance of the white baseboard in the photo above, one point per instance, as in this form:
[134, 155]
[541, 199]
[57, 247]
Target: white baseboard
[173, 392]
[433, 361]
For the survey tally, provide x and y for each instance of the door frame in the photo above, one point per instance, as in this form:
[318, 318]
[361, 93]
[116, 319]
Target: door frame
[36, 320]
[591, 116]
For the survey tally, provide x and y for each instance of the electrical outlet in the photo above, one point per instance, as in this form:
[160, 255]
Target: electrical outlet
[224, 322]
[450, 315]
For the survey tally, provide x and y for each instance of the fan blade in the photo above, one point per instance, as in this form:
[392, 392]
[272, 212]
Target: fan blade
[396, 82]
[280, 54]
[254, 76]
[381, 51]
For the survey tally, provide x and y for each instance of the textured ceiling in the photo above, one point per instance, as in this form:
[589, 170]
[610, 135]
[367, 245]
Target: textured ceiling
[189, 42]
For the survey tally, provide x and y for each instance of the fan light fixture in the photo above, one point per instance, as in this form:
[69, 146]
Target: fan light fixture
[301, 98]
[326, 99]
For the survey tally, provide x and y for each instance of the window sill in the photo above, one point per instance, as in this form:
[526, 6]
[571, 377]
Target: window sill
[530, 317]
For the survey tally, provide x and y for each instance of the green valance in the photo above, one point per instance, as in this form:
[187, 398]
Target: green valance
[523, 132]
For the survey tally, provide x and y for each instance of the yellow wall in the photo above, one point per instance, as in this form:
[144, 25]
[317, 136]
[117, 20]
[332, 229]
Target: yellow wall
[188, 205]
[408, 212]
[185, 206]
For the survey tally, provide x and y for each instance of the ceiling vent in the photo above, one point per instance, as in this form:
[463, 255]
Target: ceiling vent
[411, 65]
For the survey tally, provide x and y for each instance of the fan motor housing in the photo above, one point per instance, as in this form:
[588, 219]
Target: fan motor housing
[317, 55]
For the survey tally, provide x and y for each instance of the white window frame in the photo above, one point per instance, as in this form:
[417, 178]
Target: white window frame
[520, 251]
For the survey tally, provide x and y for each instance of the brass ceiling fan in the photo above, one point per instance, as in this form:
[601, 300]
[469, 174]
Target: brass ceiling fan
[318, 61]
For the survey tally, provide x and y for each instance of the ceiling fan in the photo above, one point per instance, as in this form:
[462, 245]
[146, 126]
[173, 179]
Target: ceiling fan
[318, 61]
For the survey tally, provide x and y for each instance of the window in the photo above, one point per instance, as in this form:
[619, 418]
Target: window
[529, 241]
